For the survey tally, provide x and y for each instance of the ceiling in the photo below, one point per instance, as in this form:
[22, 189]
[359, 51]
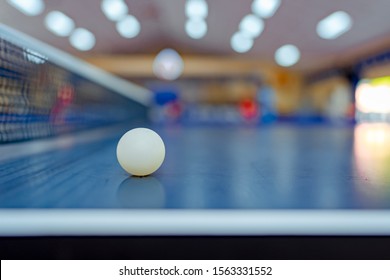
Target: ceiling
[162, 25]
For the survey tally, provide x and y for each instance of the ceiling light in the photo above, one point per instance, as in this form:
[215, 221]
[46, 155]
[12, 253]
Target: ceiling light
[59, 23]
[28, 7]
[241, 42]
[82, 39]
[168, 65]
[252, 25]
[128, 27]
[265, 8]
[196, 28]
[334, 25]
[114, 9]
[196, 9]
[287, 55]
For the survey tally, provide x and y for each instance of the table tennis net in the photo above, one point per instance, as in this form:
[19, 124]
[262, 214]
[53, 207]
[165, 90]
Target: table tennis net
[39, 98]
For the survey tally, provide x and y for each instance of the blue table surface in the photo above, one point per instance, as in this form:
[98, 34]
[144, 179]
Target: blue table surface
[281, 166]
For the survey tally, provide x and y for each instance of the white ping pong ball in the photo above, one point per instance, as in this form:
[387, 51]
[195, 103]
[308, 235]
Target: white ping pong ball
[140, 151]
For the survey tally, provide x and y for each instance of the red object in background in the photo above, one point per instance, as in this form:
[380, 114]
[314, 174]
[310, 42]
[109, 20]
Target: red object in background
[65, 97]
[351, 111]
[65, 94]
[174, 110]
[249, 109]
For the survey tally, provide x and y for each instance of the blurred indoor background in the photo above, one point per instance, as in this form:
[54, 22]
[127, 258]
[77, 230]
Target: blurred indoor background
[217, 61]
